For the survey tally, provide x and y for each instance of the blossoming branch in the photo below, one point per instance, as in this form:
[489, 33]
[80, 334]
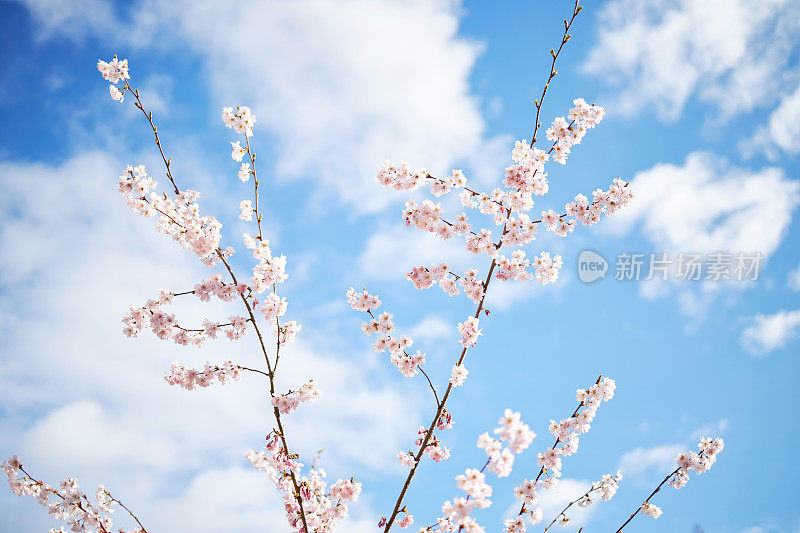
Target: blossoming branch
[498, 224]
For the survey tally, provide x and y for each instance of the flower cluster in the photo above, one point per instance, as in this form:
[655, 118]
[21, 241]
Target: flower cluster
[588, 213]
[269, 270]
[512, 431]
[69, 503]
[400, 177]
[246, 210]
[527, 176]
[323, 506]
[287, 333]
[216, 286]
[423, 277]
[568, 430]
[190, 378]
[565, 134]
[241, 120]
[606, 489]
[179, 217]
[653, 511]
[545, 268]
[237, 153]
[458, 375]
[114, 71]
[469, 332]
[383, 325]
[434, 449]
[165, 326]
[567, 433]
[700, 462]
[456, 513]
[286, 403]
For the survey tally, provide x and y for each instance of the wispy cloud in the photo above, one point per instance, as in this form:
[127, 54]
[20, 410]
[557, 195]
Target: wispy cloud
[768, 333]
[661, 54]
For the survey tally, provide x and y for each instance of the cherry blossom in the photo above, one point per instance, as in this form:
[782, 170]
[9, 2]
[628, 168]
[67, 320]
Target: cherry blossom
[458, 375]
[67, 501]
[383, 325]
[286, 403]
[237, 153]
[323, 507]
[189, 378]
[653, 511]
[240, 120]
[116, 94]
[245, 172]
[495, 225]
[177, 216]
[469, 332]
[165, 325]
[114, 70]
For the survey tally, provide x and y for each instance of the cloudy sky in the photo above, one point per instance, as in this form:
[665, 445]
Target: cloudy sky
[703, 116]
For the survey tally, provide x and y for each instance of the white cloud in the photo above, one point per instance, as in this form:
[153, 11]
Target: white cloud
[714, 429]
[782, 130]
[554, 500]
[729, 53]
[768, 333]
[432, 328]
[390, 253]
[340, 85]
[503, 295]
[793, 279]
[68, 375]
[707, 206]
[72, 19]
[246, 502]
[641, 460]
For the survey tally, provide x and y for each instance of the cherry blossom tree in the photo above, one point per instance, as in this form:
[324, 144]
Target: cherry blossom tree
[495, 224]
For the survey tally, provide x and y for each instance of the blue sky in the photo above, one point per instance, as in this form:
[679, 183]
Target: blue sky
[703, 107]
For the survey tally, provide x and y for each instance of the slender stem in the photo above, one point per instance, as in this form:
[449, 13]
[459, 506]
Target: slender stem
[433, 389]
[253, 370]
[432, 426]
[442, 403]
[271, 373]
[570, 504]
[435, 395]
[567, 25]
[255, 182]
[558, 439]
[271, 376]
[149, 116]
[141, 526]
[469, 496]
[55, 493]
[658, 488]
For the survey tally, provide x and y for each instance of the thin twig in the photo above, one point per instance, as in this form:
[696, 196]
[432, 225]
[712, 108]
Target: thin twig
[558, 439]
[658, 488]
[570, 504]
[567, 25]
[443, 402]
[433, 389]
[270, 374]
